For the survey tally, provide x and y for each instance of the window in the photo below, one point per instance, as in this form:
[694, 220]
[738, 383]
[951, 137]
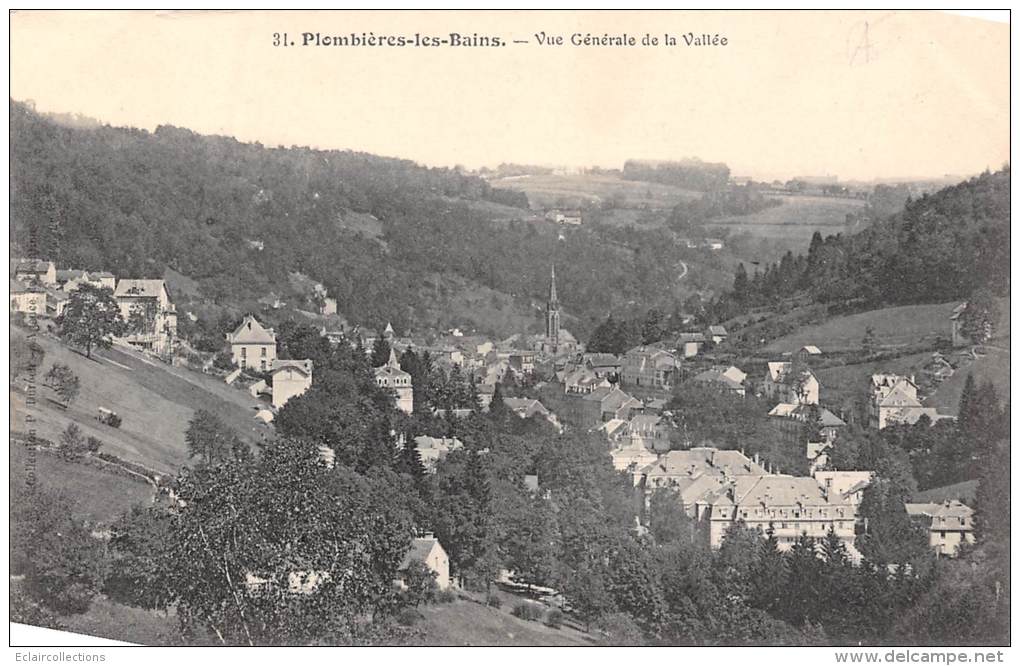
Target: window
[263, 351]
[942, 535]
[244, 352]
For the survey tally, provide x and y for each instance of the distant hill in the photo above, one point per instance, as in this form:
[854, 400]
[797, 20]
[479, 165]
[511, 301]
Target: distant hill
[237, 219]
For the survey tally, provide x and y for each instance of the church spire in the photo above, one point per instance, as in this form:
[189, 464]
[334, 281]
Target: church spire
[552, 285]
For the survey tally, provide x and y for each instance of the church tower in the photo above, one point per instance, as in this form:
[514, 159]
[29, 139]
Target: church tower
[552, 315]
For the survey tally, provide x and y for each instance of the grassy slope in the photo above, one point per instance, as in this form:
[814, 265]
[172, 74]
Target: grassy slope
[893, 327]
[547, 191]
[155, 401]
[100, 496]
[796, 218]
[469, 622]
[993, 367]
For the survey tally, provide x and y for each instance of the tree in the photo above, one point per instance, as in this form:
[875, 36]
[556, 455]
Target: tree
[869, 341]
[667, 521]
[741, 285]
[210, 440]
[139, 541]
[421, 584]
[91, 318]
[62, 563]
[72, 443]
[283, 549]
[979, 319]
[380, 352]
[64, 383]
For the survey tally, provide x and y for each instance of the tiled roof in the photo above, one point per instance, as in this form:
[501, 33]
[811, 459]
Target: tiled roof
[304, 366]
[252, 332]
[139, 288]
[419, 551]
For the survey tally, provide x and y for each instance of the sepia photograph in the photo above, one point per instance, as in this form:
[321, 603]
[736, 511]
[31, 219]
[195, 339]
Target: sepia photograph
[510, 328]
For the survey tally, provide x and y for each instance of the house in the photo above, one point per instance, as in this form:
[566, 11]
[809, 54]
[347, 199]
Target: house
[602, 364]
[808, 352]
[789, 506]
[847, 486]
[148, 303]
[782, 385]
[252, 345]
[789, 417]
[522, 362]
[717, 334]
[526, 407]
[690, 344]
[572, 217]
[894, 402]
[955, 331]
[428, 551]
[56, 301]
[433, 449]
[650, 431]
[655, 405]
[36, 271]
[650, 367]
[104, 279]
[391, 377]
[672, 469]
[950, 525]
[291, 378]
[729, 379]
[817, 454]
[486, 392]
[632, 456]
[582, 381]
[29, 299]
[615, 430]
[604, 404]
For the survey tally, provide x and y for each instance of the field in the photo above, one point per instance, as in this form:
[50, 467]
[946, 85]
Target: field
[793, 223]
[100, 496]
[470, 622]
[155, 400]
[993, 367]
[892, 327]
[572, 191]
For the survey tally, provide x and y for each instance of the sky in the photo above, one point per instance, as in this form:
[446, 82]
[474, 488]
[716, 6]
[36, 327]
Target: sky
[859, 95]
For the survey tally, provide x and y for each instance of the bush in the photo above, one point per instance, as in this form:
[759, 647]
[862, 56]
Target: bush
[113, 420]
[93, 444]
[408, 617]
[446, 596]
[554, 618]
[72, 444]
[494, 601]
[527, 611]
[224, 361]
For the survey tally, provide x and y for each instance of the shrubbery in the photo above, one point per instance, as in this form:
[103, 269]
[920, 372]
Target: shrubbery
[527, 611]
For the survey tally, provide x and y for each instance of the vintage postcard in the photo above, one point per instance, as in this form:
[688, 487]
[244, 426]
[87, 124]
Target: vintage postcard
[510, 328]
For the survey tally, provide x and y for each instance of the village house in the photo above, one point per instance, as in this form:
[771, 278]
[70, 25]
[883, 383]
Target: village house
[846, 486]
[390, 376]
[603, 365]
[70, 279]
[807, 353]
[632, 456]
[655, 405]
[582, 381]
[291, 378]
[955, 330]
[690, 344]
[36, 271]
[950, 525]
[485, 394]
[616, 431]
[604, 404]
[252, 345]
[717, 334]
[817, 454]
[29, 299]
[781, 384]
[428, 551]
[571, 217]
[730, 379]
[150, 302]
[433, 449]
[521, 362]
[525, 408]
[650, 431]
[788, 418]
[675, 468]
[894, 402]
[650, 367]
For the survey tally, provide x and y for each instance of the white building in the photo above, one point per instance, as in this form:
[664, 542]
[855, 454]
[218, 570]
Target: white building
[291, 378]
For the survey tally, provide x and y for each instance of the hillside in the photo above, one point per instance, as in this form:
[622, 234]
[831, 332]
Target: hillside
[156, 402]
[791, 225]
[233, 220]
[893, 326]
